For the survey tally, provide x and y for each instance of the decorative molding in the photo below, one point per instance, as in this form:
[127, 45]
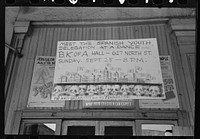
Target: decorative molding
[186, 40]
[185, 33]
[96, 22]
[187, 27]
[21, 27]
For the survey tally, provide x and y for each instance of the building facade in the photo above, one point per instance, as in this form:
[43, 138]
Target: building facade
[32, 32]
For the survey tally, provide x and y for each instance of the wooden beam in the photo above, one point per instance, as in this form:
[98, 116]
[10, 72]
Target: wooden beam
[185, 33]
[94, 114]
[186, 40]
[184, 27]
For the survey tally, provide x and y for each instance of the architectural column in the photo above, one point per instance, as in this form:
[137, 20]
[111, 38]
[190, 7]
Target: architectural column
[21, 29]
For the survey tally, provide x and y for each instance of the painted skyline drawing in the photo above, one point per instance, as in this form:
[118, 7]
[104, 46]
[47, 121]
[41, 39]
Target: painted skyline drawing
[108, 74]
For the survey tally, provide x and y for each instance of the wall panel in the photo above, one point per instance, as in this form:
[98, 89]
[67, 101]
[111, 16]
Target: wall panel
[43, 42]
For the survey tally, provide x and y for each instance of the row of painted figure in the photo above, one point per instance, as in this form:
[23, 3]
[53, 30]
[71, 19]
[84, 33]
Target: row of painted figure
[107, 90]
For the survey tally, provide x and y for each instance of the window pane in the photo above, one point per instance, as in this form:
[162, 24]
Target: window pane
[118, 130]
[81, 130]
[156, 130]
[39, 129]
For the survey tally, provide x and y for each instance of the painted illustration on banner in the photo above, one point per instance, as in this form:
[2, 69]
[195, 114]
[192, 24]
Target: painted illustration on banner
[106, 64]
[171, 100]
[42, 83]
[42, 74]
[106, 92]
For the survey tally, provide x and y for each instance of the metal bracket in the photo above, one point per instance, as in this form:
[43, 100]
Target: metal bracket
[17, 51]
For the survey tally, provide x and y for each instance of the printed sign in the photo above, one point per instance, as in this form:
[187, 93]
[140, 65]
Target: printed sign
[171, 100]
[105, 65]
[42, 83]
[125, 104]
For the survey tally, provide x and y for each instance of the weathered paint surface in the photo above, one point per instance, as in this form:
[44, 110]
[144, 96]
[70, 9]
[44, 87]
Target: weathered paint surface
[84, 13]
[94, 13]
[43, 39]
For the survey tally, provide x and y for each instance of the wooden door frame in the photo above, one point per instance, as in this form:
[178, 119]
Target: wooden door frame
[97, 115]
[185, 52]
[104, 123]
[184, 49]
[67, 123]
[56, 121]
[99, 125]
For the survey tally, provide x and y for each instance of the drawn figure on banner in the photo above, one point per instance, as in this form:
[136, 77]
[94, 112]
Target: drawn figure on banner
[82, 90]
[109, 89]
[74, 90]
[99, 89]
[57, 91]
[138, 90]
[91, 90]
[44, 90]
[154, 91]
[124, 89]
[48, 89]
[96, 90]
[116, 76]
[66, 90]
[131, 90]
[146, 90]
[105, 90]
[115, 89]
[61, 91]
[112, 90]
[42, 74]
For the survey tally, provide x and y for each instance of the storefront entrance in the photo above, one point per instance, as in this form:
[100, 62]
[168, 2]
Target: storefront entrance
[108, 128]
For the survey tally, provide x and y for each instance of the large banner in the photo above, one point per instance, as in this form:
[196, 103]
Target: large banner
[171, 100]
[108, 69]
[42, 83]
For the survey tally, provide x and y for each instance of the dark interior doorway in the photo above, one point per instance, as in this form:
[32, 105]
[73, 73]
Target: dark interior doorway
[118, 130]
[81, 130]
